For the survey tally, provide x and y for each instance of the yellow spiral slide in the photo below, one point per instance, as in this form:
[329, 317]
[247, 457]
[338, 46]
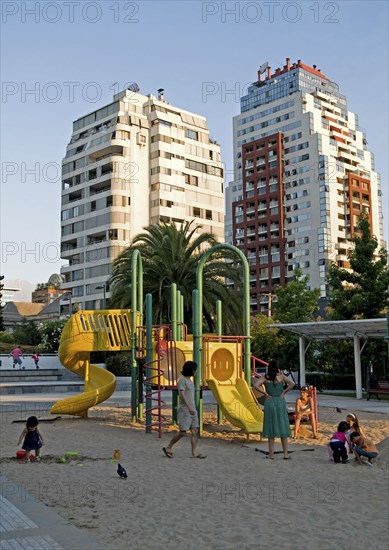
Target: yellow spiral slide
[87, 331]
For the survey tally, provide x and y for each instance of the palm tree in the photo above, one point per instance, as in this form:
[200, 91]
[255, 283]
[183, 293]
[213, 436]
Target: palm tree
[170, 255]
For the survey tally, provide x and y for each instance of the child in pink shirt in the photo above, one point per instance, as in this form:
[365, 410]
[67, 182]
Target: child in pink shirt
[338, 443]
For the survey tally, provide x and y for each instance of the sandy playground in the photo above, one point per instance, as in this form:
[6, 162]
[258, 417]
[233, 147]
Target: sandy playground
[233, 499]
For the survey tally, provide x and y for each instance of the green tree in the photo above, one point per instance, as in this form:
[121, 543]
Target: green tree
[50, 335]
[265, 342]
[295, 303]
[26, 333]
[170, 255]
[363, 291]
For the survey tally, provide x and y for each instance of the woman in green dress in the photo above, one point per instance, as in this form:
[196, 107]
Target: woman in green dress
[276, 421]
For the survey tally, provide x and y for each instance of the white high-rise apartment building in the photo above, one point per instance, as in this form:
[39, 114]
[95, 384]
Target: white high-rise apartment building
[302, 175]
[134, 162]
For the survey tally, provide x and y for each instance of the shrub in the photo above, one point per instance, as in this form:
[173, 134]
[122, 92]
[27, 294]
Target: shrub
[327, 381]
[7, 338]
[119, 363]
[26, 333]
[51, 334]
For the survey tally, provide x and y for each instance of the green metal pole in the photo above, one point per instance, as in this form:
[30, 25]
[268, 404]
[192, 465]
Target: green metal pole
[179, 319]
[149, 352]
[219, 318]
[173, 306]
[197, 351]
[173, 303]
[134, 285]
[140, 309]
[219, 333]
[182, 317]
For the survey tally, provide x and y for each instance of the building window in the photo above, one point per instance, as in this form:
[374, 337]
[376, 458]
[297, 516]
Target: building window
[191, 180]
[191, 134]
[196, 212]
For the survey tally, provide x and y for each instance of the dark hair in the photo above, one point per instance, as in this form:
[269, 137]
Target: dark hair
[343, 426]
[32, 422]
[353, 435]
[272, 370]
[189, 368]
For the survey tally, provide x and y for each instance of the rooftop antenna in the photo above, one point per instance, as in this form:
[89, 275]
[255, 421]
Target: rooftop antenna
[133, 87]
[262, 69]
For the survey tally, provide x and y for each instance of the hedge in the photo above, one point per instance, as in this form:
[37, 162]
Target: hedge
[327, 381]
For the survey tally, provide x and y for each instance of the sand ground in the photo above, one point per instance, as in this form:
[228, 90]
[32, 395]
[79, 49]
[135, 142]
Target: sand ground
[233, 499]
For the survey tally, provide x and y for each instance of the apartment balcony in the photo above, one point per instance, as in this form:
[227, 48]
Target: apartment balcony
[69, 250]
[349, 157]
[108, 149]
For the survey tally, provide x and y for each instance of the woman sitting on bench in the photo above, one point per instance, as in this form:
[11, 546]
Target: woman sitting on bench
[305, 408]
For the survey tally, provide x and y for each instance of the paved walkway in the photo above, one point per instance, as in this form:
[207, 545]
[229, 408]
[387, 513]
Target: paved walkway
[27, 524]
[20, 403]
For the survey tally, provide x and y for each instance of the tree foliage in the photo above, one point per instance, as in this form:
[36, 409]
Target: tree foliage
[363, 292]
[170, 255]
[294, 303]
[265, 342]
[26, 333]
[50, 333]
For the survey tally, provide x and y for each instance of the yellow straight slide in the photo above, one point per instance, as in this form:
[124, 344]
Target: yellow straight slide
[238, 404]
[87, 331]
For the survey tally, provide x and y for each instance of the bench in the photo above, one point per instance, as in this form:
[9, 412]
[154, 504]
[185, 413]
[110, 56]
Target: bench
[381, 388]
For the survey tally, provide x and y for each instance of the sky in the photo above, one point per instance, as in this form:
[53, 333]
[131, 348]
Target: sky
[62, 60]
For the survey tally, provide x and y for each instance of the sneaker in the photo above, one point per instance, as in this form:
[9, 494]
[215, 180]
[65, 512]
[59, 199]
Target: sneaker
[37, 459]
[345, 461]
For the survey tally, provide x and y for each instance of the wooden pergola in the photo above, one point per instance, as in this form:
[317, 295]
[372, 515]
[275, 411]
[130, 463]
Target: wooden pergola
[338, 330]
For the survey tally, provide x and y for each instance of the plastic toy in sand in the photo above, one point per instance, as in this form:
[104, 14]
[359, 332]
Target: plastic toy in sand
[20, 455]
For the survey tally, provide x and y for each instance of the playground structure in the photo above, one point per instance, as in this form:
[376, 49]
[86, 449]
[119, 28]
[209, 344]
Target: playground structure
[224, 362]
[88, 331]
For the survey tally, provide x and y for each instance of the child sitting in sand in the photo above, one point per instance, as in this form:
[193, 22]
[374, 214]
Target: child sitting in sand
[363, 447]
[354, 426]
[305, 407]
[33, 439]
[338, 443]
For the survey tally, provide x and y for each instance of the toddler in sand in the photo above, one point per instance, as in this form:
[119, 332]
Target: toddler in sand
[338, 443]
[354, 426]
[33, 439]
[363, 447]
